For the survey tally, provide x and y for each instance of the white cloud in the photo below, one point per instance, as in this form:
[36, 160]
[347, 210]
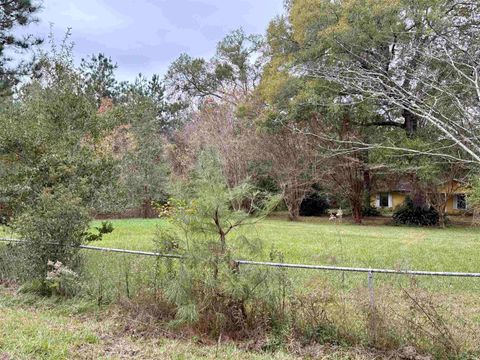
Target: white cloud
[87, 16]
[146, 35]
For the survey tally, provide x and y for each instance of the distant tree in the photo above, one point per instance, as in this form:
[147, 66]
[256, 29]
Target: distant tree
[215, 126]
[144, 121]
[308, 110]
[98, 73]
[229, 76]
[144, 170]
[403, 73]
[293, 163]
[169, 114]
[15, 14]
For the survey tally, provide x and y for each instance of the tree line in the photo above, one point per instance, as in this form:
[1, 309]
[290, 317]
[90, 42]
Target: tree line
[336, 96]
[341, 95]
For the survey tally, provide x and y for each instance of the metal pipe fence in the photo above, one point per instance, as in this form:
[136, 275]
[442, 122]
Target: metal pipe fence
[383, 299]
[369, 271]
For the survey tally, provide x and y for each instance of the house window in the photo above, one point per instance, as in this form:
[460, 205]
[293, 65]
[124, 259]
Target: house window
[460, 202]
[383, 200]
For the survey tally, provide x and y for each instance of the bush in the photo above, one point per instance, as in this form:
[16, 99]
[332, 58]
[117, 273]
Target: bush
[410, 214]
[369, 210]
[52, 228]
[315, 204]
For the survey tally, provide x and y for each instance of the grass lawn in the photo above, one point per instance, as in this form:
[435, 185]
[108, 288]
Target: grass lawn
[317, 241]
[37, 328]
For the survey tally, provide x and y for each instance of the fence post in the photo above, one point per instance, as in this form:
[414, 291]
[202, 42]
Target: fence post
[370, 289]
[373, 314]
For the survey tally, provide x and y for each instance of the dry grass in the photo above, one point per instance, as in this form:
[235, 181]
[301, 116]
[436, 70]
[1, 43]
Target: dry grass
[35, 328]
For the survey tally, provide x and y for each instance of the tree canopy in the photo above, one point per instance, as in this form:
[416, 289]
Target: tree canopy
[13, 15]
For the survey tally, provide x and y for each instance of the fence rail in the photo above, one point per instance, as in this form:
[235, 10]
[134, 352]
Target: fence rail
[278, 265]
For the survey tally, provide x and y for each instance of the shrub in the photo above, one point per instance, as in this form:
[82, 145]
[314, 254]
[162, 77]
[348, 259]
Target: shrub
[105, 228]
[369, 210]
[315, 204]
[411, 214]
[63, 174]
[52, 228]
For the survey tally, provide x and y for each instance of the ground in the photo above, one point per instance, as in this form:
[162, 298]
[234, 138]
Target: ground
[35, 328]
[53, 329]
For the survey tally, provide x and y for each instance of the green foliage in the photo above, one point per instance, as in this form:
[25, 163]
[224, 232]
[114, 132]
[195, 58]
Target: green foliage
[143, 166]
[53, 176]
[369, 210]
[53, 227]
[474, 194]
[49, 137]
[105, 228]
[15, 14]
[207, 286]
[98, 73]
[412, 214]
[149, 96]
[146, 119]
[235, 66]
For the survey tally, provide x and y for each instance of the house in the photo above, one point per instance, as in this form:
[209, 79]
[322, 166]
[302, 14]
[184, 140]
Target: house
[389, 195]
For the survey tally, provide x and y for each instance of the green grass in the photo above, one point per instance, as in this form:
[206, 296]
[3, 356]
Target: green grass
[321, 242]
[32, 328]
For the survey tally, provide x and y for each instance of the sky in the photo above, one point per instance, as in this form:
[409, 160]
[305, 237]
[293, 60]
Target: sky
[145, 36]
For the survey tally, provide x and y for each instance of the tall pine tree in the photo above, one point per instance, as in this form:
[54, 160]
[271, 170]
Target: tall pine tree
[15, 14]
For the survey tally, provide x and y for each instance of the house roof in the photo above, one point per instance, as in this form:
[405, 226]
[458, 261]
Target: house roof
[399, 185]
[405, 185]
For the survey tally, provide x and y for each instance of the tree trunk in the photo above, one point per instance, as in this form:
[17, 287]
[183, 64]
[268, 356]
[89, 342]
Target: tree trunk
[367, 188]
[147, 208]
[442, 212]
[147, 203]
[293, 206]
[294, 210]
[441, 219]
[293, 198]
[357, 211]
[411, 122]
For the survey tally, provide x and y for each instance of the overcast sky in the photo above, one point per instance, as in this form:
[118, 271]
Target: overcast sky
[146, 35]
